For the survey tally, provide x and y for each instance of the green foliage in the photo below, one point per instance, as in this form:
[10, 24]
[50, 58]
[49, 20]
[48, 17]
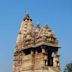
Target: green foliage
[68, 67]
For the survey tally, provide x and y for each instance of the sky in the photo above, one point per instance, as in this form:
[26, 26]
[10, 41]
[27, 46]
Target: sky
[57, 14]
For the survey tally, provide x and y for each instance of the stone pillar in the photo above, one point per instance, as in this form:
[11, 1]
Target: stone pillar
[45, 57]
[32, 52]
[43, 50]
[46, 60]
[56, 59]
[22, 55]
[32, 59]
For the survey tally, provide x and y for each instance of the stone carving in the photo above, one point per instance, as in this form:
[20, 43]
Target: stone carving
[36, 49]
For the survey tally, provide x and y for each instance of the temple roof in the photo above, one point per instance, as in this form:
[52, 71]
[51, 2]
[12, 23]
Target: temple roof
[35, 36]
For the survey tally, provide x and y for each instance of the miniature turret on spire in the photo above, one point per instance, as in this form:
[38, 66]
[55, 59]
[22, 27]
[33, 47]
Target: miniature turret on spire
[27, 17]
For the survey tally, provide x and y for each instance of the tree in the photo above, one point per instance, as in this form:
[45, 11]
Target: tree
[68, 67]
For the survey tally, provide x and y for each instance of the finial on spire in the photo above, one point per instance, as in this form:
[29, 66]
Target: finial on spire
[26, 12]
[46, 26]
[38, 26]
[27, 17]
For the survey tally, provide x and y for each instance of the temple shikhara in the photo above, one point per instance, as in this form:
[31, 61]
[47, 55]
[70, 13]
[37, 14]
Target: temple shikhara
[36, 49]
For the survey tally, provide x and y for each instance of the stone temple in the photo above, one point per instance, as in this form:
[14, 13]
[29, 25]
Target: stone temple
[36, 49]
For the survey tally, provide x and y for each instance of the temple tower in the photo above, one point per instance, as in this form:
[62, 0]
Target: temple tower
[36, 49]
